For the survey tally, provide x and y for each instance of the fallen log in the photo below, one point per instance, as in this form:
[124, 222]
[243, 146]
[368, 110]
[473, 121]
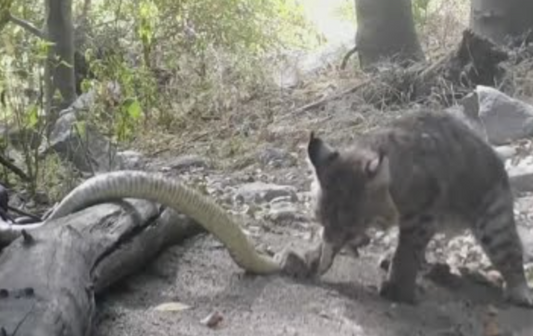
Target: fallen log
[474, 61]
[49, 277]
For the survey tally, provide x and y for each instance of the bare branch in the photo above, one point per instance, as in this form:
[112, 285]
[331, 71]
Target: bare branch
[28, 26]
[83, 24]
[86, 9]
[347, 57]
[11, 166]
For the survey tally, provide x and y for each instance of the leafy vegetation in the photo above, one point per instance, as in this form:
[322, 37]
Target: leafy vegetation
[152, 63]
[163, 72]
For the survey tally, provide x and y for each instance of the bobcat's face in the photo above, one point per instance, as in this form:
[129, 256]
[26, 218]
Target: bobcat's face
[353, 193]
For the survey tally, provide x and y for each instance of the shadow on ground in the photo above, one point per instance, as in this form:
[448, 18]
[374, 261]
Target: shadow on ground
[344, 302]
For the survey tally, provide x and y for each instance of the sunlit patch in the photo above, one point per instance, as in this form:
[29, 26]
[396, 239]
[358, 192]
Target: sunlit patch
[329, 18]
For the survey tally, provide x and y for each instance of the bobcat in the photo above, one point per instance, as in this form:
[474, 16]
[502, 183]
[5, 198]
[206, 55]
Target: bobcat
[426, 172]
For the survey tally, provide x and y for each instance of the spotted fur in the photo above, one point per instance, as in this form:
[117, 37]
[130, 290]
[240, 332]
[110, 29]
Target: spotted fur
[426, 172]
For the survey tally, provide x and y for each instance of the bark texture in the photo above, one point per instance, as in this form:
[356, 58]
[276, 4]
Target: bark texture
[60, 64]
[386, 30]
[475, 61]
[48, 280]
[499, 20]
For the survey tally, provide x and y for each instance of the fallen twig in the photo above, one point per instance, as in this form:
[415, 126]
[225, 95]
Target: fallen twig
[28, 26]
[8, 164]
[346, 57]
[324, 100]
[24, 213]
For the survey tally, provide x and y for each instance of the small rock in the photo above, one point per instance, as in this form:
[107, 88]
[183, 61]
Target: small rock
[41, 197]
[212, 320]
[495, 277]
[505, 152]
[284, 211]
[281, 200]
[264, 192]
[521, 178]
[130, 159]
[276, 157]
[186, 162]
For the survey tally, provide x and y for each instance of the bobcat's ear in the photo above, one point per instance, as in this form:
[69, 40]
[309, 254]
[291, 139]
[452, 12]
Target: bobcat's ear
[320, 154]
[377, 168]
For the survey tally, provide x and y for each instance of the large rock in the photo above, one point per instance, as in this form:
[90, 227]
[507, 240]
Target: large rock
[275, 157]
[257, 192]
[82, 144]
[496, 117]
[505, 119]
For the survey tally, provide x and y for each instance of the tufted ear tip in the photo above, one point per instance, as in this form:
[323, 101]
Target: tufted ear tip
[319, 153]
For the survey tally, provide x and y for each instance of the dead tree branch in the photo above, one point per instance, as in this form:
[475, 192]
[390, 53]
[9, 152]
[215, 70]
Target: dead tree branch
[49, 277]
[16, 170]
[346, 57]
[28, 26]
[475, 61]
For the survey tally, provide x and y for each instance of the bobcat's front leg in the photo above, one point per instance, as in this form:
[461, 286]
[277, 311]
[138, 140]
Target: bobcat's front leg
[415, 235]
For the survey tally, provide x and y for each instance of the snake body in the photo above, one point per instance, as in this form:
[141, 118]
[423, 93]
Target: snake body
[169, 192]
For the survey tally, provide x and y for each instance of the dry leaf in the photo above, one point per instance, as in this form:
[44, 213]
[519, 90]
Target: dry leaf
[172, 306]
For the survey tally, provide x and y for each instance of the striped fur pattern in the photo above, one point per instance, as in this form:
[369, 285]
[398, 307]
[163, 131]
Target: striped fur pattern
[426, 172]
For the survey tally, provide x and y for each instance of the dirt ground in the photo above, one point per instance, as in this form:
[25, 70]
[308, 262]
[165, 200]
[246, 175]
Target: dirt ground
[201, 275]
[344, 302]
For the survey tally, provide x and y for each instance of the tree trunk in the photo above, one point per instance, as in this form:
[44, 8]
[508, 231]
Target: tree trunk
[501, 19]
[48, 280]
[475, 61]
[386, 30]
[60, 64]
[5, 6]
